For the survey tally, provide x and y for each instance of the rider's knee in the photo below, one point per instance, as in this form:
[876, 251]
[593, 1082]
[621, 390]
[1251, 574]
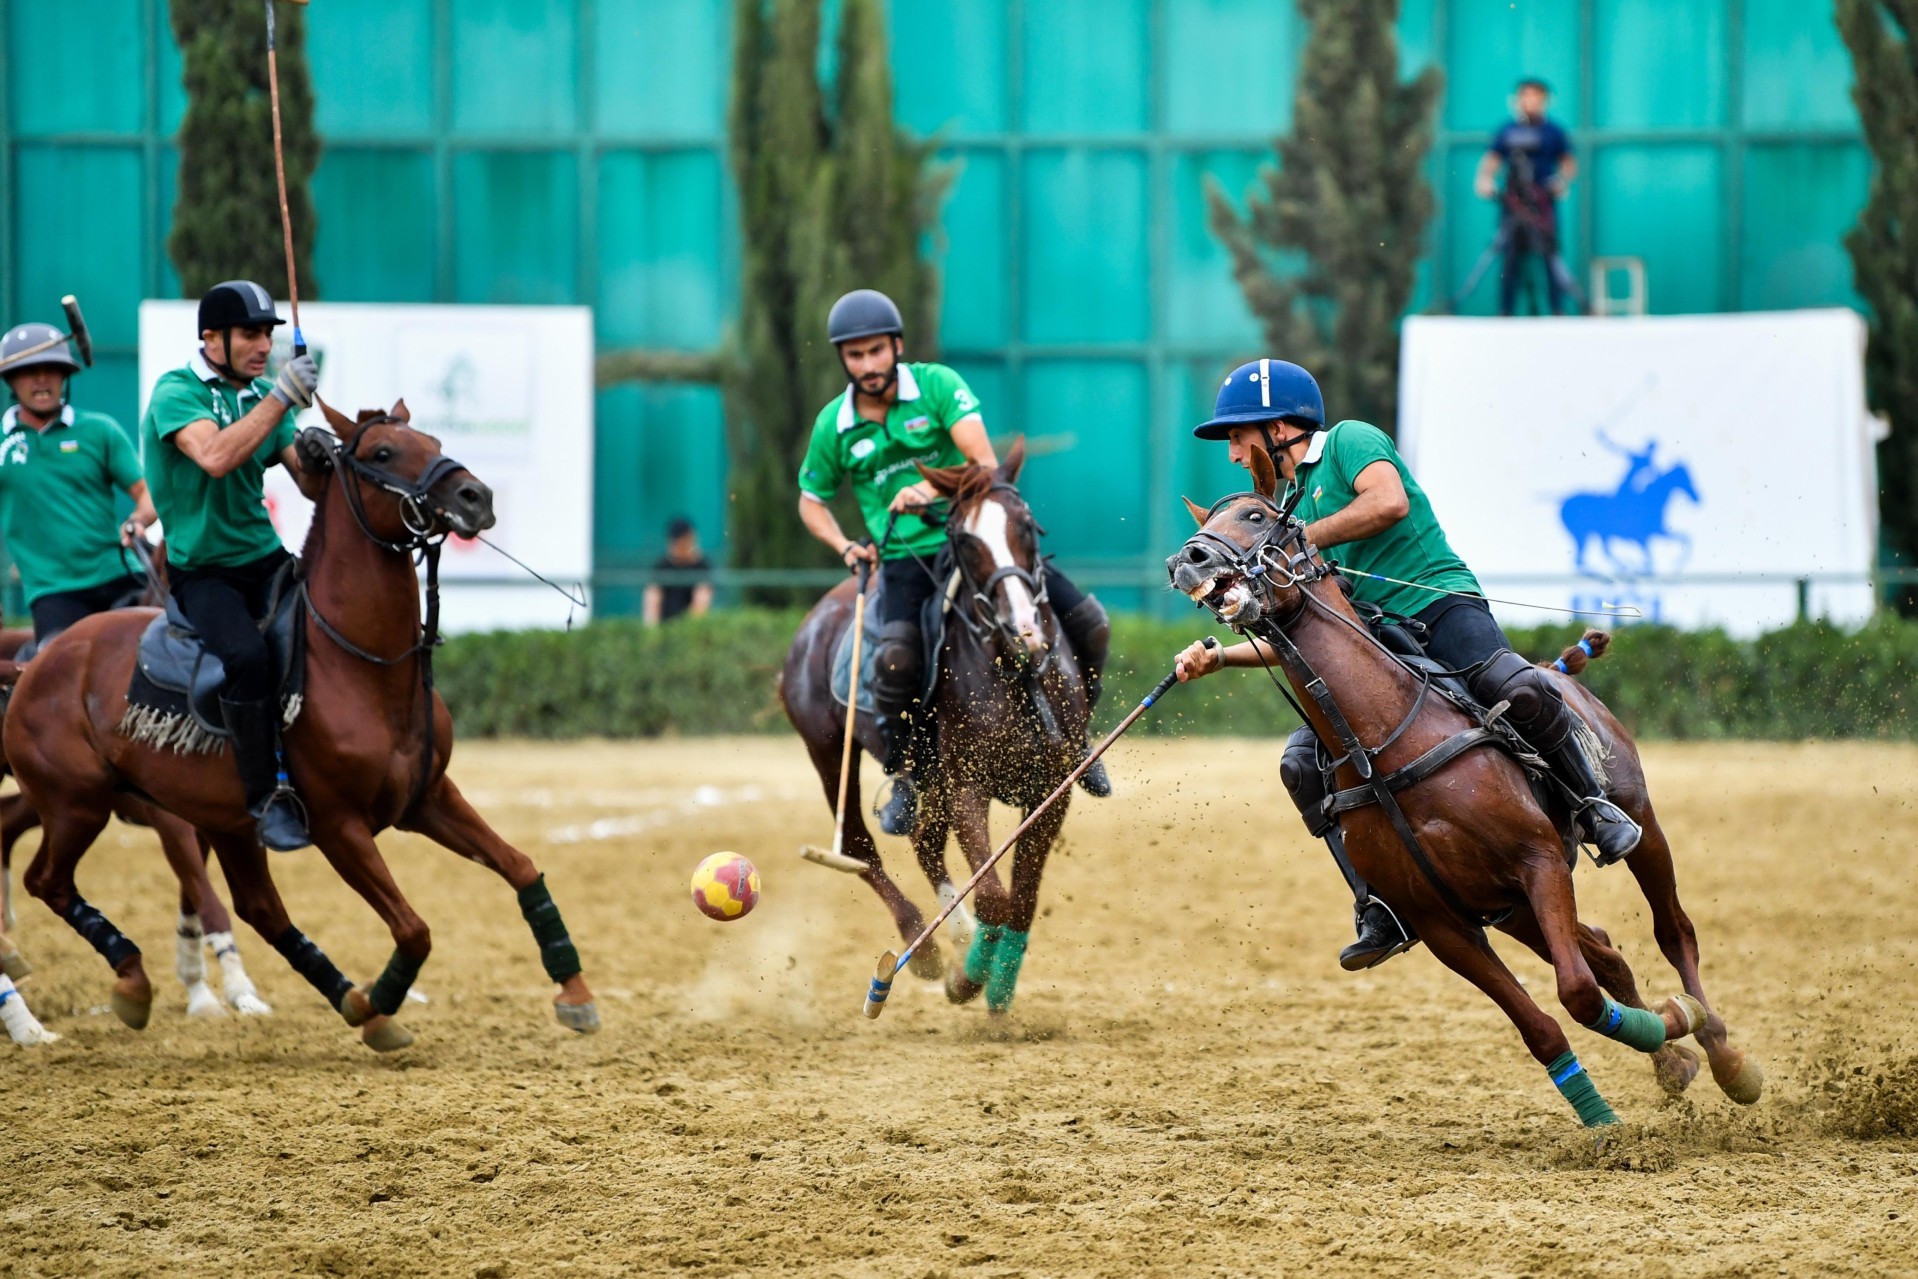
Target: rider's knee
[1304, 780]
[1507, 677]
[1088, 629]
[898, 659]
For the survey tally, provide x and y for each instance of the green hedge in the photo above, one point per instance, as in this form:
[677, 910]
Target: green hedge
[716, 675]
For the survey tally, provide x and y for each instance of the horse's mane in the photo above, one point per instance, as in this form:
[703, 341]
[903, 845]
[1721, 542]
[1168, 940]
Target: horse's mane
[967, 486]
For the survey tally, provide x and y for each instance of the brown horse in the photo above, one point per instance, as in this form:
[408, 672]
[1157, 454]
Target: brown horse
[1482, 849]
[1010, 710]
[368, 750]
[203, 916]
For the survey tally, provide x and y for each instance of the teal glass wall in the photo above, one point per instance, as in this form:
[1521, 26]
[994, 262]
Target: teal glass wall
[573, 151]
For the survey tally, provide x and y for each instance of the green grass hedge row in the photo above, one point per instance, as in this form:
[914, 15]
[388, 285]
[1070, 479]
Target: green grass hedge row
[716, 675]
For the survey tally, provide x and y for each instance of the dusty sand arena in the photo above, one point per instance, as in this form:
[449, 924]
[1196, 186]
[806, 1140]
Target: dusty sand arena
[1189, 1085]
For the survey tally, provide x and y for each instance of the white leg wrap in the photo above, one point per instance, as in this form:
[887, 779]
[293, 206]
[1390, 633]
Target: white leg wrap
[188, 962]
[238, 986]
[22, 1027]
[960, 924]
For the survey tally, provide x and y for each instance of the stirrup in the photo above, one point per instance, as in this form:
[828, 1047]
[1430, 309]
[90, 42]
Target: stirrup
[1367, 952]
[280, 821]
[1601, 818]
[899, 815]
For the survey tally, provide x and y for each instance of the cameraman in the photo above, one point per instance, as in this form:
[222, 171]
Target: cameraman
[1536, 155]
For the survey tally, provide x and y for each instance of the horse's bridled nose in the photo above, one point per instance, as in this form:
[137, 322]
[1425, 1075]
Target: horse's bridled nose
[1197, 554]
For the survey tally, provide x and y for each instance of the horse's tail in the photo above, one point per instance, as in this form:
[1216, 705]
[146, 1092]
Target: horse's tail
[1590, 647]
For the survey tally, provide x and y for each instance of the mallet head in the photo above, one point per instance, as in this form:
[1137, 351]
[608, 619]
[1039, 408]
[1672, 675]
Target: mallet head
[881, 984]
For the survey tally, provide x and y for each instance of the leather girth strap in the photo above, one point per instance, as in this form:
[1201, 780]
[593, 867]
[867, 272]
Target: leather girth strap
[1379, 789]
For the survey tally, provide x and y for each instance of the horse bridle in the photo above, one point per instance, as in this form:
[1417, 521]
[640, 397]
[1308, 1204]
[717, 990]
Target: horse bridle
[981, 614]
[1278, 558]
[426, 535]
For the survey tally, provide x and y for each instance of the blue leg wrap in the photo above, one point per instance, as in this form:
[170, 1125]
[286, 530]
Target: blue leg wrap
[100, 932]
[389, 991]
[1642, 1030]
[310, 962]
[556, 950]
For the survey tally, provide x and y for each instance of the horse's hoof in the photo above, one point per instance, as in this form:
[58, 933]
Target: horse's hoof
[15, 965]
[134, 1012]
[384, 1035]
[961, 989]
[1739, 1076]
[1676, 1066]
[355, 1007]
[926, 964]
[202, 1002]
[246, 1001]
[581, 1017]
[1688, 1012]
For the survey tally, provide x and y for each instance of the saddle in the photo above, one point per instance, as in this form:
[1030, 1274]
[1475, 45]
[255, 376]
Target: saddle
[932, 637]
[173, 699]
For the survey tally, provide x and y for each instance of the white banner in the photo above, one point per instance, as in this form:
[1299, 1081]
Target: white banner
[1689, 466]
[508, 390]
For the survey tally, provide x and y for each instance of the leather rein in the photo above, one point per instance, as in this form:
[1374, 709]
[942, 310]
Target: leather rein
[425, 536]
[1280, 557]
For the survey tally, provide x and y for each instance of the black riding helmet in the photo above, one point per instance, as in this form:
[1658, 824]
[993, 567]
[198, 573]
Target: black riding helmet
[866, 313]
[236, 304]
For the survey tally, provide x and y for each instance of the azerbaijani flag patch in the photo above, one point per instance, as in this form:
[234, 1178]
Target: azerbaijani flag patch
[69, 446]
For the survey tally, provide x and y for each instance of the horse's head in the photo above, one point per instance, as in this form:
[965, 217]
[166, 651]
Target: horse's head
[401, 488]
[995, 547]
[1680, 479]
[1249, 561]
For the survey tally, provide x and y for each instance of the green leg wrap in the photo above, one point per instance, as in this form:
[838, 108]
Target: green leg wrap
[1004, 977]
[389, 992]
[1643, 1030]
[556, 951]
[985, 940]
[1578, 1088]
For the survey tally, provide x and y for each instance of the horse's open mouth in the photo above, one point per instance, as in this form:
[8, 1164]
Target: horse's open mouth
[1226, 595]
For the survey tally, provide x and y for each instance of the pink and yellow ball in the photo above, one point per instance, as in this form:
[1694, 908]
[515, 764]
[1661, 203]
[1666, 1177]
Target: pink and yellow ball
[725, 887]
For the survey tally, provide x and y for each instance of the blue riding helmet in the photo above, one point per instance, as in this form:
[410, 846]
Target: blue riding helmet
[1264, 391]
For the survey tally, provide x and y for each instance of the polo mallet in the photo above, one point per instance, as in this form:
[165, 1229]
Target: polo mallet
[836, 856]
[890, 965]
[76, 333]
[279, 171]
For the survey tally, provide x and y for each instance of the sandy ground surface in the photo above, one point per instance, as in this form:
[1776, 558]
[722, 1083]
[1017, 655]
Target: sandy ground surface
[1188, 1084]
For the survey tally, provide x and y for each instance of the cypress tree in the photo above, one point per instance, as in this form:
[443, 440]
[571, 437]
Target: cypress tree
[226, 219]
[834, 196]
[1326, 257]
[1884, 247]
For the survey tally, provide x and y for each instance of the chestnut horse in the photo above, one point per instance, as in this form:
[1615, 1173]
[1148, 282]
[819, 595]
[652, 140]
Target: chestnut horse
[1010, 714]
[368, 750]
[203, 916]
[1481, 850]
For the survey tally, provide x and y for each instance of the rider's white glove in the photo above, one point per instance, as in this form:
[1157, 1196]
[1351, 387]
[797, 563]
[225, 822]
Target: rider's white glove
[298, 377]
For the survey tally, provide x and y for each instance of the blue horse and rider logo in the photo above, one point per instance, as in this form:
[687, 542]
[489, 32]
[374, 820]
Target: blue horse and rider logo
[1633, 514]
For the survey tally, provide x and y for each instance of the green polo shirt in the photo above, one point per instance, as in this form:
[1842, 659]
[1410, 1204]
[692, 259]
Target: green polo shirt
[1412, 550]
[880, 458]
[210, 523]
[59, 495]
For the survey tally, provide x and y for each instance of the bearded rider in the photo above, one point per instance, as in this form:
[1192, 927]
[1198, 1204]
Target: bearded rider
[893, 417]
[211, 429]
[1356, 496]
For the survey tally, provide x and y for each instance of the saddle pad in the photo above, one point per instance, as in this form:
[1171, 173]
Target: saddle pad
[932, 633]
[173, 698]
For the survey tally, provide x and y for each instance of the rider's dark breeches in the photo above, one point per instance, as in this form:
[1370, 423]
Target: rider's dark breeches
[224, 605]
[57, 610]
[1299, 769]
[904, 588]
[1462, 633]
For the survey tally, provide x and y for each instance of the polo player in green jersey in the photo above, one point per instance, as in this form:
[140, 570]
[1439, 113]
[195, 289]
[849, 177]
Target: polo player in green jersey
[1357, 498]
[892, 418]
[61, 470]
[211, 429]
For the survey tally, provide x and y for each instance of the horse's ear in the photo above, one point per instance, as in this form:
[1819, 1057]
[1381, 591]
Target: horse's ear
[342, 427]
[1198, 512]
[399, 410]
[944, 479]
[1015, 461]
[1265, 476]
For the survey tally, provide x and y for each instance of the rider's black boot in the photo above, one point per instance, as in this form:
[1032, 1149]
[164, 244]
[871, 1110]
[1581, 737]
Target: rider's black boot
[899, 815]
[1089, 631]
[1381, 936]
[270, 797]
[1602, 823]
